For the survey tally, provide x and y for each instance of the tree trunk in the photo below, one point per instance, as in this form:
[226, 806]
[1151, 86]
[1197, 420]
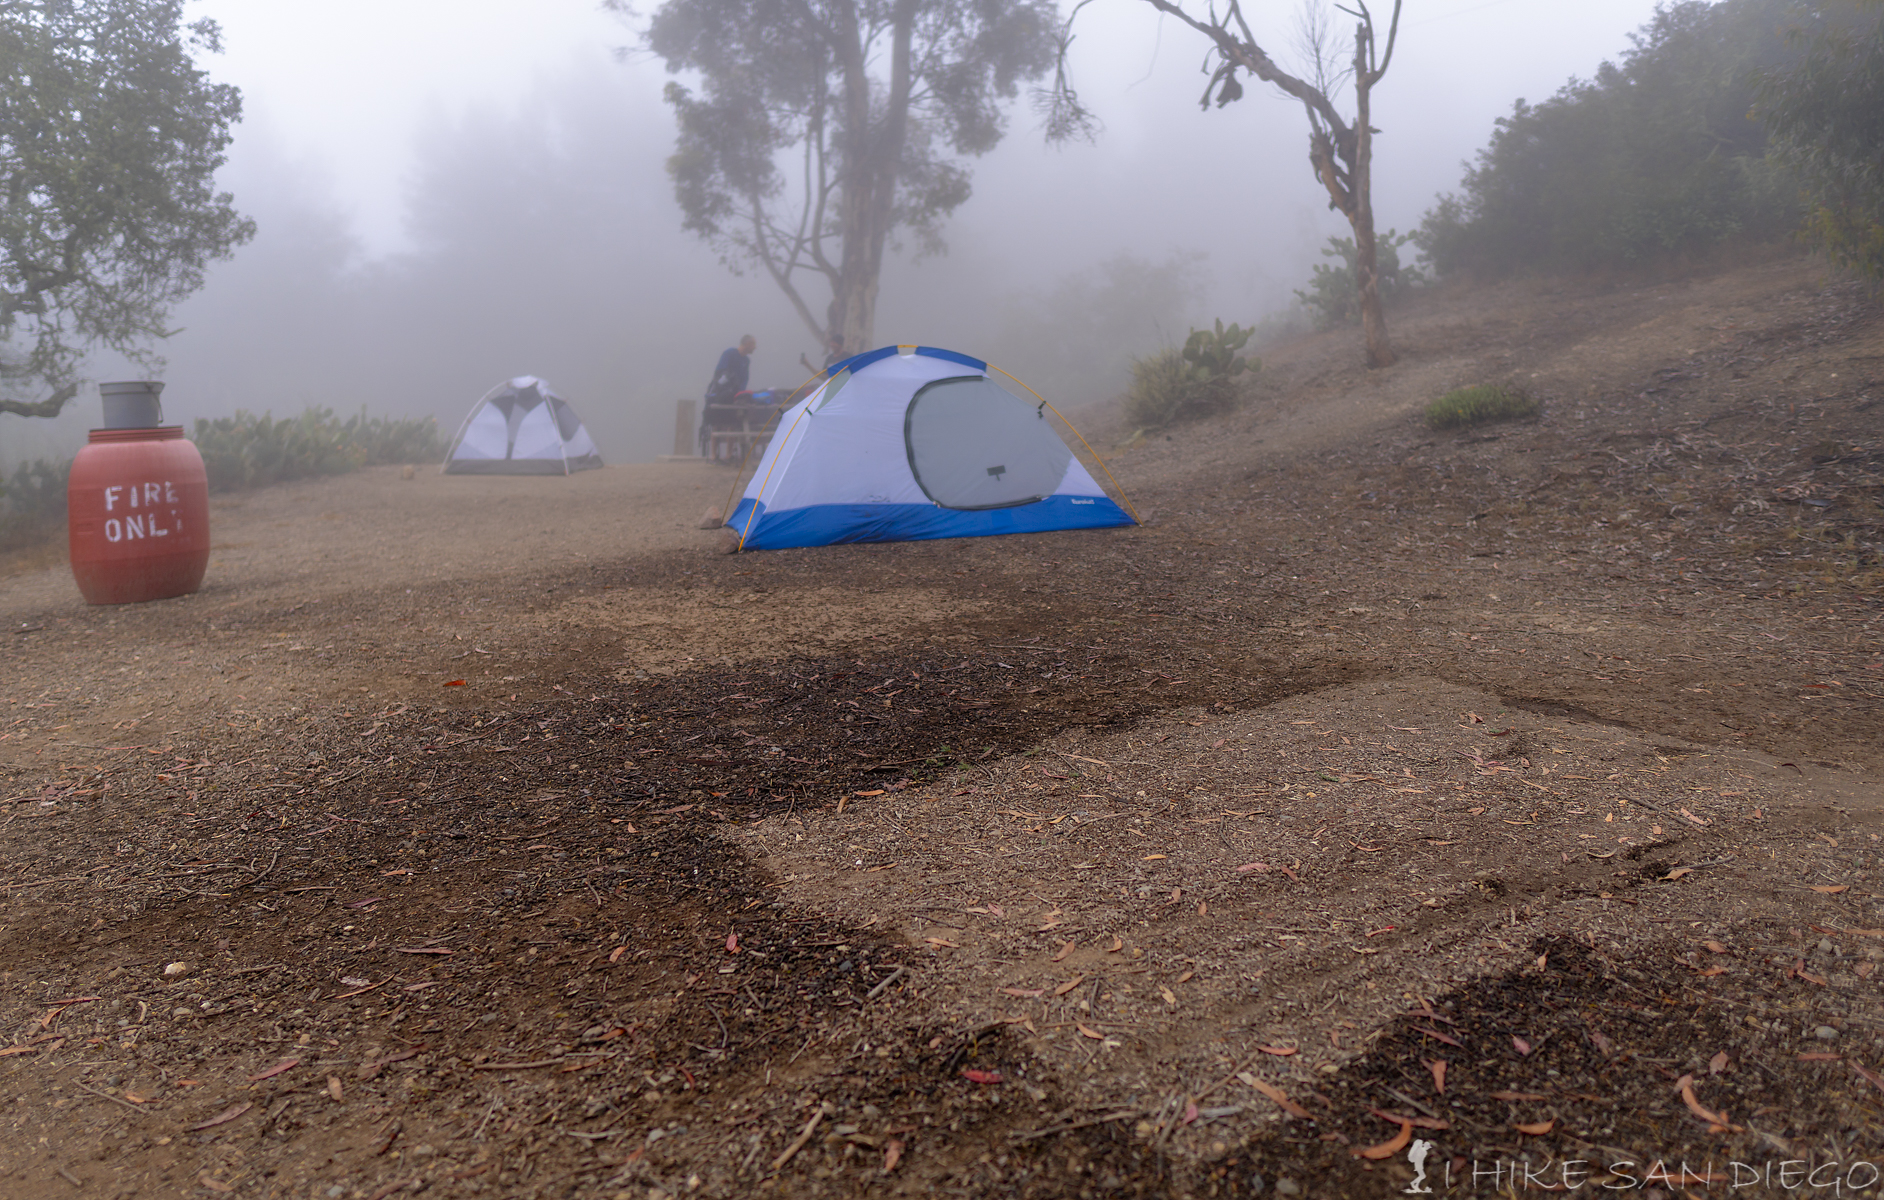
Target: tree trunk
[872, 153]
[1361, 215]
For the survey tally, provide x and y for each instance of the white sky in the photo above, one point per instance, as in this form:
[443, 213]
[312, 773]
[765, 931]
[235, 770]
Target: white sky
[347, 85]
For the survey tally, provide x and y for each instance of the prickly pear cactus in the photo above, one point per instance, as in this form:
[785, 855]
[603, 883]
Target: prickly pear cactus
[1213, 353]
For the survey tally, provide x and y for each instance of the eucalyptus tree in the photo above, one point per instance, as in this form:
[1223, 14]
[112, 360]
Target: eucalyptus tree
[820, 130]
[110, 137]
[1340, 151]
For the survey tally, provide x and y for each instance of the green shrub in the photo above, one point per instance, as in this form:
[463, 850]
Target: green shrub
[1196, 381]
[1478, 404]
[1333, 294]
[32, 503]
[249, 451]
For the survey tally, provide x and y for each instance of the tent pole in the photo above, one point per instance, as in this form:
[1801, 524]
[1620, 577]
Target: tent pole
[1085, 443]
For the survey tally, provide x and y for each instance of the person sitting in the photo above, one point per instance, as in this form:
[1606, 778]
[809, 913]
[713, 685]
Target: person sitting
[732, 372]
[833, 353]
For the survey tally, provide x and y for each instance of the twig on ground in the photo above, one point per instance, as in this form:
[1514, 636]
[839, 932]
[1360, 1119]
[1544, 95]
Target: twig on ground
[1033, 1134]
[107, 1096]
[798, 1143]
[884, 983]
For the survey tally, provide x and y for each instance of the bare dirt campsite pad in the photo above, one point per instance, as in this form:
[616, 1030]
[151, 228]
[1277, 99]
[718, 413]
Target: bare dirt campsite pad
[1514, 791]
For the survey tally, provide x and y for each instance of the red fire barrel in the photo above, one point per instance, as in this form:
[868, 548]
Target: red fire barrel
[137, 504]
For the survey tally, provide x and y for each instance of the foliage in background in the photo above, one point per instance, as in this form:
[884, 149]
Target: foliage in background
[1340, 151]
[1478, 404]
[248, 450]
[1654, 157]
[109, 143]
[32, 503]
[1196, 381]
[1825, 114]
[1332, 295]
[1075, 340]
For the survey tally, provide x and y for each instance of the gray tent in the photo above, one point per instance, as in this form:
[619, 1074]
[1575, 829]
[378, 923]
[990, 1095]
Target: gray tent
[521, 427]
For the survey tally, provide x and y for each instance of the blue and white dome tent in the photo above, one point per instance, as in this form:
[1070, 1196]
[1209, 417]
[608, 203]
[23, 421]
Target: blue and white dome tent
[911, 442]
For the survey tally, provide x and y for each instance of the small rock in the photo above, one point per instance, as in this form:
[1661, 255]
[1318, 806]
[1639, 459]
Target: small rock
[1288, 1187]
[422, 1150]
[1826, 947]
[1825, 1033]
[175, 969]
[711, 519]
[1256, 1185]
[406, 472]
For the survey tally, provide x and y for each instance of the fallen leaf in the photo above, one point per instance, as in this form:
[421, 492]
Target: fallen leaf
[1677, 873]
[1118, 944]
[1278, 1051]
[616, 953]
[1391, 1146]
[1714, 947]
[1819, 1056]
[1517, 1097]
[1275, 1093]
[1063, 951]
[1685, 1085]
[420, 950]
[1069, 985]
[1025, 993]
[214, 1185]
[1710, 972]
[134, 1098]
[892, 1154]
[1434, 1033]
[1534, 1128]
[1869, 1077]
[1692, 817]
[1438, 1067]
[1830, 889]
[333, 1087]
[1186, 977]
[1094, 1034]
[1252, 867]
[222, 1118]
[1169, 996]
[943, 942]
[1151, 857]
[453, 683]
[286, 1064]
[1717, 1064]
[1523, 1047]
[974, 1076]
[732, 943]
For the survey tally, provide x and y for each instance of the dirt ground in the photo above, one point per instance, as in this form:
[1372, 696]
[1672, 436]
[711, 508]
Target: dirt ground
[1507, 798]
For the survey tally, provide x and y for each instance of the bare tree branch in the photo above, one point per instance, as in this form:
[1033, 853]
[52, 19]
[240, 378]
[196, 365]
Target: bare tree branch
[49, 407]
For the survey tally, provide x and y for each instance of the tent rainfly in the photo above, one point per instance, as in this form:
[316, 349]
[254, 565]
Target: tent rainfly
[521, 427]
[911, 442]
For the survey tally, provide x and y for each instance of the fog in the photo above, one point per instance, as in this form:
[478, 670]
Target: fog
[470, 192]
